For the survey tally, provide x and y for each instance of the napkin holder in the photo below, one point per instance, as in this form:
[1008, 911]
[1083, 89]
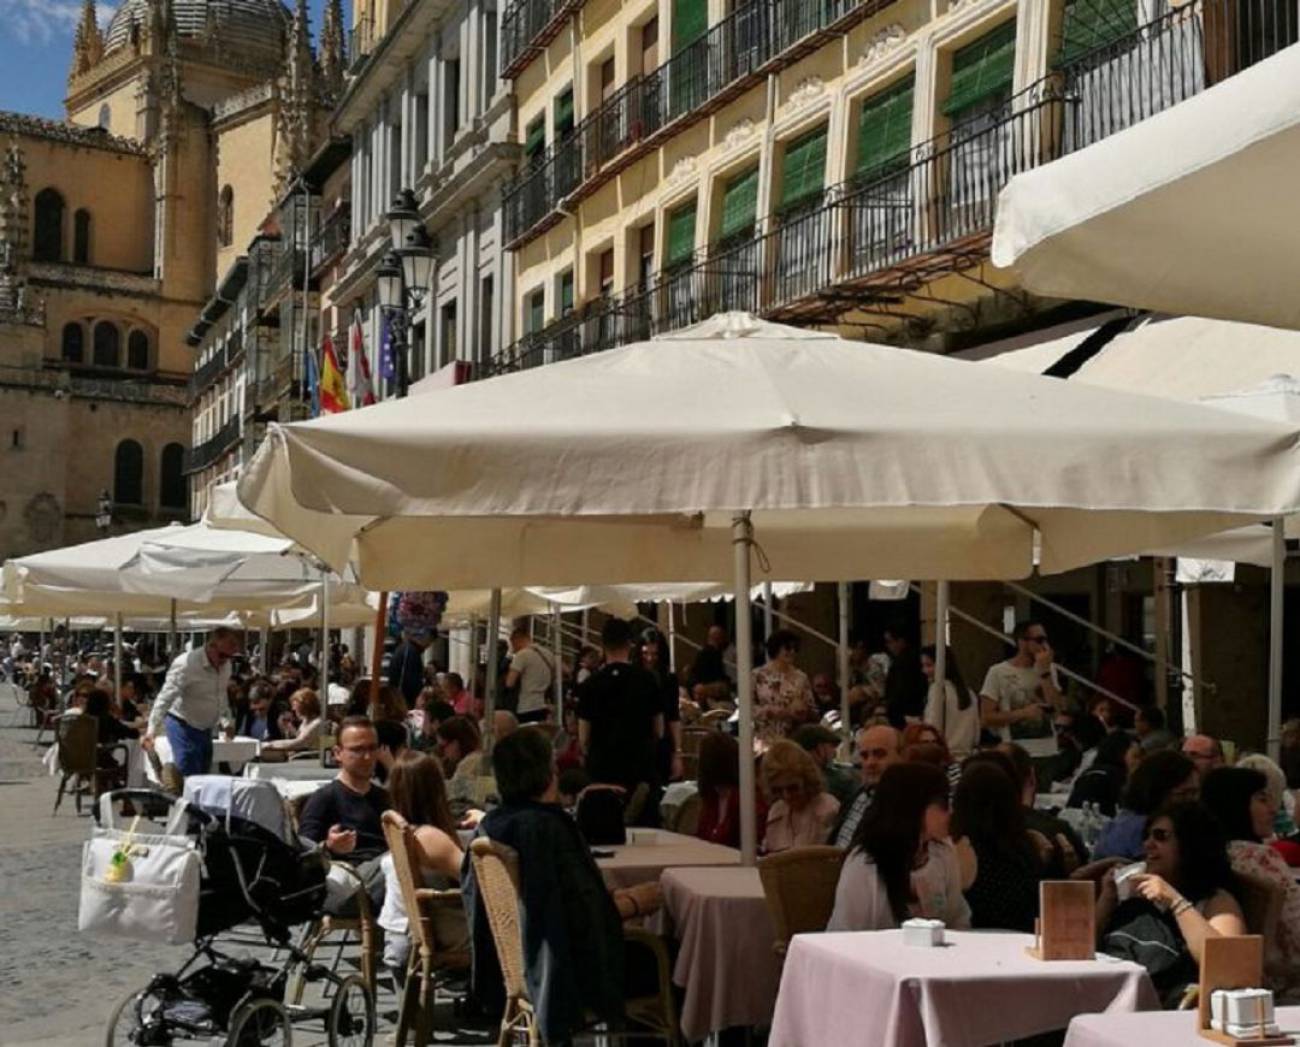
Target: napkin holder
[1231, 970]
[1066, 928]
[923, 933]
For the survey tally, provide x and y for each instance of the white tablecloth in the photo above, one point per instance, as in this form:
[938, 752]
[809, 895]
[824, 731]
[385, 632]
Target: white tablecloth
[235, 751]
[1154, 1029]
[292, 770]
[649, 852]
[980, 988]
[726, 963]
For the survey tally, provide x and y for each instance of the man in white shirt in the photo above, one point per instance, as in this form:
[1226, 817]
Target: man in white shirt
[1020, 694]
[532, 670]
[192, 700]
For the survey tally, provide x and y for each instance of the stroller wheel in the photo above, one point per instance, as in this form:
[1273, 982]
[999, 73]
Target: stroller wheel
[139, 1021]
[351, 1019]
[260, 1022]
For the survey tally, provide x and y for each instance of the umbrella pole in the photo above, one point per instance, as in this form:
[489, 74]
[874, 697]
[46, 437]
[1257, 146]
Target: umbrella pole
[558, 654]
[941, 641]
[324, 662]
[672, 639]
[490, 685]
[742, 534]
[842, 661]
[171, 633]
[472, 684]
[377, 654]
[264, 652]
[767, 609]
[1276, 593]
[117, 658]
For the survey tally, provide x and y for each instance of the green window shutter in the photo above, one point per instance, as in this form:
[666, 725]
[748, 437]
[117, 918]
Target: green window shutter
[803, 174]
[690, 22]
[536, 311]
[885, 129]
[681, 235]
[535, 138]
[982, 69]
[1089, 24]
[564, 114]
[566, 294]
[739, 204]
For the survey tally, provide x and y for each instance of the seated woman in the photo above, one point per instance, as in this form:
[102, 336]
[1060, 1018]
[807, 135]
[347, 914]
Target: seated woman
[108, 728]
[923, 743]
[1162, 778]
[418, 793]
[1240, 798]
[468, 770]
[1183, 898]
[900, 863]
[305, 706]
[718, 776]
[1284, 827]
[1103, 782]
[986, 815]
[802, 812]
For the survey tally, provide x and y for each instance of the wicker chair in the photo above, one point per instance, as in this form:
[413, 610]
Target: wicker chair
[359, 928]
[426, 963]
[799, 885]
[77, 738]
[496, 869]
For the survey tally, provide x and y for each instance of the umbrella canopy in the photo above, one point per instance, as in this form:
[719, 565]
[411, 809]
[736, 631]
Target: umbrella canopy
[855, 460]
[1193, 210]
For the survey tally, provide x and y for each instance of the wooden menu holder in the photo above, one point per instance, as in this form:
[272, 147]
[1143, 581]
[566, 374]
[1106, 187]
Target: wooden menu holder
[1232, 963]
[1066, 928]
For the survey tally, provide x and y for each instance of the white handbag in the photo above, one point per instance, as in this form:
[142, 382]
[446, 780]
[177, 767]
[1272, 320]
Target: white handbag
[141, 886]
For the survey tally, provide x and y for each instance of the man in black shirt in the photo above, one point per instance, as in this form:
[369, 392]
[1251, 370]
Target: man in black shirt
[620, 716]
[344, 816]
[905, 685]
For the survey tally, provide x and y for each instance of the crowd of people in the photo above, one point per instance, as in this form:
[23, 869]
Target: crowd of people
[941, 812]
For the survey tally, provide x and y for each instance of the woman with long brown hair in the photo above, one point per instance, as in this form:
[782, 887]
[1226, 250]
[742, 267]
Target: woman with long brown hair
[418, 792]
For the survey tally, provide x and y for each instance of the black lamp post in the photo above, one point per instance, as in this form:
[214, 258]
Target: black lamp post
[403, 276]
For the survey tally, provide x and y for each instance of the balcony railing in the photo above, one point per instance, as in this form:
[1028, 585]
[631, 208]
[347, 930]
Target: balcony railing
[886, 233]
[213, 448]
[332, 238]
[724, 62]
[526, 28]
[284, 277]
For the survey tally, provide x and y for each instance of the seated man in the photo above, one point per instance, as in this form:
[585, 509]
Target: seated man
[344, 816]
[821, 743]
[574, 951]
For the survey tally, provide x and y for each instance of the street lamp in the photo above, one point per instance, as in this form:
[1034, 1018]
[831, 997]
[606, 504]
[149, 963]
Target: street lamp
[404, 275]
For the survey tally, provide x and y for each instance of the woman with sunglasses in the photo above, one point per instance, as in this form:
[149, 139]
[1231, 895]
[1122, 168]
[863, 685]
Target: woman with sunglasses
[803, 813]
[900, 863]
[1182, 897]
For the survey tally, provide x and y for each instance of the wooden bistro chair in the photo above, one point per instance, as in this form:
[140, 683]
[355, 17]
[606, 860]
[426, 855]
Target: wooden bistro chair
[77, 738]
[799, 885]
[427, 963]
[496, 870]
[342, 932]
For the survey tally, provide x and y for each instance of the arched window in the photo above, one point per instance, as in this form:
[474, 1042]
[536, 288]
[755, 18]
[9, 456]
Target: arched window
[226, 217]
[107, 345]
[137, 351]
[74, 343]
[128, 474]
[81, 237]
[173, 492]
[47, 244]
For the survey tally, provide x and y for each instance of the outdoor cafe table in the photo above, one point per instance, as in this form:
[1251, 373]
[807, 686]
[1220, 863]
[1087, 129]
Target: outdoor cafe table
[979, 988]
[235, 751]
[1152, 1028]
[726, 964]
[648, 852]
[293, 779]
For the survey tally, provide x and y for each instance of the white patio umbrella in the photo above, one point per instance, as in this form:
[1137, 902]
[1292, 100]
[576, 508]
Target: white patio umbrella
[679, 459]
[1193, 210]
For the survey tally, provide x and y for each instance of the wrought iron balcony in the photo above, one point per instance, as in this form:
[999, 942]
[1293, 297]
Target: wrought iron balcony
[332, 238]
[283, 276]
[527, 27]
[215, 447]
[756, 38]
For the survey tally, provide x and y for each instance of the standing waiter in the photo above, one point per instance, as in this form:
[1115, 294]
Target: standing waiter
[192, 700]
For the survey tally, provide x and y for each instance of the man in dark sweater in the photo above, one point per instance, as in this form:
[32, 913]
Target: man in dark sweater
[344, 816]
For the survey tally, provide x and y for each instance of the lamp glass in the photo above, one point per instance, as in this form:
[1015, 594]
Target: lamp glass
[388, 281]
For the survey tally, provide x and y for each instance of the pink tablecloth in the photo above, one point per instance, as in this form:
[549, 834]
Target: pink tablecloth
[1154, 1029]
[943, 996]
[650, 851]
[726, 964]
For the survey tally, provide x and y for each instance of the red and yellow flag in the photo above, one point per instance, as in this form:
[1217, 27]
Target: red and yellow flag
[333, 389]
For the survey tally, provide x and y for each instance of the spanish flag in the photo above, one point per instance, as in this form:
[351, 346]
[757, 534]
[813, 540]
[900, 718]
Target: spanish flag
[333, 390]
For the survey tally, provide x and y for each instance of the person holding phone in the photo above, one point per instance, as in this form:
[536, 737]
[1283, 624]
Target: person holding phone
[1020, 694]
[344, 816]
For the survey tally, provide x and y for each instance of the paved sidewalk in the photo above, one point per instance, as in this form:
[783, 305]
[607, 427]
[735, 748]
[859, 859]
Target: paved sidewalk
[57, 988]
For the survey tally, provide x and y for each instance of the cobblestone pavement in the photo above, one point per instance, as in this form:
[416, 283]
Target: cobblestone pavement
[57, 988]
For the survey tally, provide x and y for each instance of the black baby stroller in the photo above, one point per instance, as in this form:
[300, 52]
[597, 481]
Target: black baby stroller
[253, 872]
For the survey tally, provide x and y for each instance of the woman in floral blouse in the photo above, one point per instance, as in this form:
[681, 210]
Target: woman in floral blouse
[783, 695]
[1241, 800]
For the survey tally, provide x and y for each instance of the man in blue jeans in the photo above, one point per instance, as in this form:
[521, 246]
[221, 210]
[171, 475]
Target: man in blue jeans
[192, 700]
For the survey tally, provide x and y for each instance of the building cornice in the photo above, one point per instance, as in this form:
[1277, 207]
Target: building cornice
[69, 134]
